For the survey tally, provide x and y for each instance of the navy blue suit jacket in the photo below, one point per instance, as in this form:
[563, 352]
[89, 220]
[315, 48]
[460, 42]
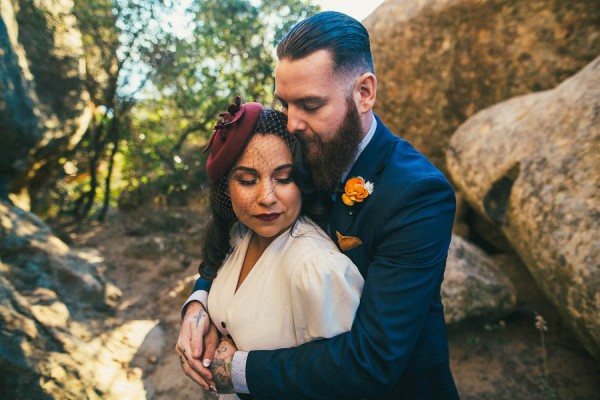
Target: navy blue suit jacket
[397, 347]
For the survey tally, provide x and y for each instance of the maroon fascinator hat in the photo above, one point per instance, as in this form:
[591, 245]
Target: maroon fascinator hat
[231, 135]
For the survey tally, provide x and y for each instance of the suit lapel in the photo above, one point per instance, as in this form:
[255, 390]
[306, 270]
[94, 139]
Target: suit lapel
[368, 166]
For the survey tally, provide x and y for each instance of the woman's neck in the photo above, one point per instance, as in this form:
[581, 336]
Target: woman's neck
[261, 243]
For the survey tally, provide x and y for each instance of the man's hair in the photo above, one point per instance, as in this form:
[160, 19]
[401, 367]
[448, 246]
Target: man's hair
[344, 37]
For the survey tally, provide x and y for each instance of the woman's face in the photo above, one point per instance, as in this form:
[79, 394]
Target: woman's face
[263, 195]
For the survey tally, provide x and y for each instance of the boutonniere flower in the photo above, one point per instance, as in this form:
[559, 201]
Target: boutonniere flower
[356, 190]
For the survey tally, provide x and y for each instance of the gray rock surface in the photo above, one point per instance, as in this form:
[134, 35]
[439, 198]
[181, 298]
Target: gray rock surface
[57, 338]
[474, 286]
[50, 84]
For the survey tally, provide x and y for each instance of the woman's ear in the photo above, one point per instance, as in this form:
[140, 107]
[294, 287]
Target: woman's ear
[365, 92]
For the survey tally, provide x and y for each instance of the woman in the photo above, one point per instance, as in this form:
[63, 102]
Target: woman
[278, 279]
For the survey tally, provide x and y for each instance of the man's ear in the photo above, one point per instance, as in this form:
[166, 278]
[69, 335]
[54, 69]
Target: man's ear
[365, 92]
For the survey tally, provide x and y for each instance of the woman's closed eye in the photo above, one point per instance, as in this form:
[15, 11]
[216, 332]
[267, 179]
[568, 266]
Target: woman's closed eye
[245, 178]
[283, 174]
[246, 182]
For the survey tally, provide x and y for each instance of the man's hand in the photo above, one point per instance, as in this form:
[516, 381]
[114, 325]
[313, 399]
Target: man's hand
[197, 341]
[221, 366]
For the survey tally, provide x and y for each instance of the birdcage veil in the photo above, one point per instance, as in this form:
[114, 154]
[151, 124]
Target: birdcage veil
[234, 132]
[257, 153]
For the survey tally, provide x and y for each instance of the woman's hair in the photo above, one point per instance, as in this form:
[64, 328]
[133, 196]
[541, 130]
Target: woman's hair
[216, 242]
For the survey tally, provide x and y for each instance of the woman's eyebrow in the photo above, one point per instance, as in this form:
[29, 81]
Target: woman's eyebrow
[284, 166]
[245, 169]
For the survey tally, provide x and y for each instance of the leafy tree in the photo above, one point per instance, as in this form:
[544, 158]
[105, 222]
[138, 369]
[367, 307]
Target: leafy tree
[228, 50]
[157, 91]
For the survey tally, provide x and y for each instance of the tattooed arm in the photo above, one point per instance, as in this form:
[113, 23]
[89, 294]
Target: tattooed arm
[221, 366]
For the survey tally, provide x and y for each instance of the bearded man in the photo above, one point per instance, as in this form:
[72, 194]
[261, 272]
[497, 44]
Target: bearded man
[398, 211]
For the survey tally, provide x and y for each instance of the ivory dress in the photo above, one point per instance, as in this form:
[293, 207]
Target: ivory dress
[302, 288]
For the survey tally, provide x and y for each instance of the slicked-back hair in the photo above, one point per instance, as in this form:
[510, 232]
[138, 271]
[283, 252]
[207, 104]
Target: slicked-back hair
[343, 36]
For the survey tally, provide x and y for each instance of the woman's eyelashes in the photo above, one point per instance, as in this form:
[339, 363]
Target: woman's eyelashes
[248, 179]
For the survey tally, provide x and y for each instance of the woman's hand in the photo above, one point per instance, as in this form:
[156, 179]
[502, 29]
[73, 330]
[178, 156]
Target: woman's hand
[197, 341]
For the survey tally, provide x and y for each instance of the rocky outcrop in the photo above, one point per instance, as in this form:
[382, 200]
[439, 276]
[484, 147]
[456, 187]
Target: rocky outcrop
[57, 338]
[48, 89]
[20, 127]
[530, 166]
[474, 286]
[440, 61]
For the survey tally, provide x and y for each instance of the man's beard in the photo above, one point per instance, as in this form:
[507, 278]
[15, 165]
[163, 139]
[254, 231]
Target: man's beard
[331, 159]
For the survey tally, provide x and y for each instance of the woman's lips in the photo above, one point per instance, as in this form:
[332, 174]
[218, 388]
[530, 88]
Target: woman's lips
[268, 217]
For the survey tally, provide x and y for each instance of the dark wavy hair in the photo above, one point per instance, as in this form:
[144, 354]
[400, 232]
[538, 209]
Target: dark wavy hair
[315, 205]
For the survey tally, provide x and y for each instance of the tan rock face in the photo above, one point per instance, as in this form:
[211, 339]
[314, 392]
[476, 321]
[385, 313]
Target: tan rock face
[531, 165]
[440, 61]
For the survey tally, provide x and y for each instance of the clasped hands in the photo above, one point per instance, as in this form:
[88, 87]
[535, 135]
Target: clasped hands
[205, 357]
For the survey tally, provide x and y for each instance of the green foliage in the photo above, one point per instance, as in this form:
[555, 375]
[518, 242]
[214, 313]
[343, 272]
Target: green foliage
[228, 50]
[158, 90]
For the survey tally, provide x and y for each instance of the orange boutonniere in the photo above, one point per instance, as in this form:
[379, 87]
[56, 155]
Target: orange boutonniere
[356, 190]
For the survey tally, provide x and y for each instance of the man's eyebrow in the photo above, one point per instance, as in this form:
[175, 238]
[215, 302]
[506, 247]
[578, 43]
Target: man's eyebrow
[304, 99]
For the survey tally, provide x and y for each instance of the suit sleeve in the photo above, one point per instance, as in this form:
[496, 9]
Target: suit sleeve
[413, 235]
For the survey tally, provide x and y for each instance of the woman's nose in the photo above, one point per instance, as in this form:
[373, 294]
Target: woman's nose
[267, 193]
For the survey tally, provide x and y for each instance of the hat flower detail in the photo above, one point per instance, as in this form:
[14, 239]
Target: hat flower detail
[231, 134]
[356, 190]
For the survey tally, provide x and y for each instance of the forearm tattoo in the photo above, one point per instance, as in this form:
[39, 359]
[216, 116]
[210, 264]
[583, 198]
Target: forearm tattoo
[221, 370]
[199, 317]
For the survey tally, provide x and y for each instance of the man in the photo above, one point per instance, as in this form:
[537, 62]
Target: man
[397, 232]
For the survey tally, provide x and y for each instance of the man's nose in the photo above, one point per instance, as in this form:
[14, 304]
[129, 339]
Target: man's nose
[295, 122]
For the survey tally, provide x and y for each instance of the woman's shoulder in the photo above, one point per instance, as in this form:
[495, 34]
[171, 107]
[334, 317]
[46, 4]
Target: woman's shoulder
[307, 233]
[311, 251]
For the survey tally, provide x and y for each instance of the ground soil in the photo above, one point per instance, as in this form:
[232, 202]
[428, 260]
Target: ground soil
[152, 256]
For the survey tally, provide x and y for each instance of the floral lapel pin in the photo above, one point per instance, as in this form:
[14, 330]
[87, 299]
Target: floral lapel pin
[356, 190]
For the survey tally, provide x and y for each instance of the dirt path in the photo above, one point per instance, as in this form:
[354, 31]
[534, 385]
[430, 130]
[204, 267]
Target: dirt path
[152, 257]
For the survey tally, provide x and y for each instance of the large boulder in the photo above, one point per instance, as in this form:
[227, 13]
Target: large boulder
[440, 61]
[20, 127]
[58, 339]
[530, 165]
[474, 286]
[52, 76]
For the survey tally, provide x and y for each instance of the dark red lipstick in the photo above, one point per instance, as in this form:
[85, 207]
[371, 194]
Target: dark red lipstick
[268, 217]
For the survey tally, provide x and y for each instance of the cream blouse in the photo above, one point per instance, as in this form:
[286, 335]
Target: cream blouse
[302, 288]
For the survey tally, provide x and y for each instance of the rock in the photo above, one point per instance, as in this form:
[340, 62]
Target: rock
[530, 298]
[531, 165]
[19, 125]
[150, 350]
[50, 84]
[147, 249]
[37, 258]
[57, 339]
[440, 61]
[474, 287]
